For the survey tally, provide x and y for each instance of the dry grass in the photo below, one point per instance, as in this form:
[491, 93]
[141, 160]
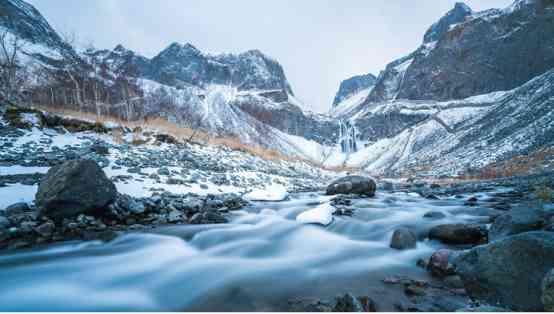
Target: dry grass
[516, 166]
[235, 144]
[184, 134]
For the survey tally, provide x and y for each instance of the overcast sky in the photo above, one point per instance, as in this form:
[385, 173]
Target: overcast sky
[318, 42]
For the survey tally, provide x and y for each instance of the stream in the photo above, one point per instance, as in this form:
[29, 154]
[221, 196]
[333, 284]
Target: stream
[258, 262]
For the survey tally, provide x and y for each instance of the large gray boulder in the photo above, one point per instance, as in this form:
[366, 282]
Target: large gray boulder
[403, 239]
[74, 187]
[353, 185]
[508, 272]
[517, 221]
[459, 233]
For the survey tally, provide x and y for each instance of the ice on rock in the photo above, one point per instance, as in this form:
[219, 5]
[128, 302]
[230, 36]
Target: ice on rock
[322, 215]
[274, 193]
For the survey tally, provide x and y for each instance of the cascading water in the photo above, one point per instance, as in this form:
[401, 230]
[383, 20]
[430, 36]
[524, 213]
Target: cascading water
[347, 137]
[257, 262]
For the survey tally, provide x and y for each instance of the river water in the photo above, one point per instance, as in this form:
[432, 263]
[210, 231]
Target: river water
[257, 262]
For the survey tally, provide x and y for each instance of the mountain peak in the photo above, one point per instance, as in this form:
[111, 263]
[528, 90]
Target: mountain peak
[455, 16]
[461, 7]
[352, 86]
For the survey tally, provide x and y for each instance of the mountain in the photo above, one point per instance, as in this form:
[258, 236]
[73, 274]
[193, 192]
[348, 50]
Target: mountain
[26, 22]
[453, 137]
[353, 85]
[470, 53]
[478, 91]
[243, 95]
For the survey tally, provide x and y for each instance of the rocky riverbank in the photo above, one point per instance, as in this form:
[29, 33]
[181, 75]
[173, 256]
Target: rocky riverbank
[65, 179]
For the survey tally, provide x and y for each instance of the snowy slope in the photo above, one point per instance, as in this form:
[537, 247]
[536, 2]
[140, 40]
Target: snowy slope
[453, 136]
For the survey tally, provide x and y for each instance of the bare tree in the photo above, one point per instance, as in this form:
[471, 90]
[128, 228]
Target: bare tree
[95, 64]
[11, 68]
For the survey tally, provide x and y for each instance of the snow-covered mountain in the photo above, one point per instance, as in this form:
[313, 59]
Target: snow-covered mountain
[243, 95]
[451, 137]
[479, 90]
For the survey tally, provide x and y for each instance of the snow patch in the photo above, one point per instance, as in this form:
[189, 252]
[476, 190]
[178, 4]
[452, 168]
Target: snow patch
[322, 215]
[274, 193]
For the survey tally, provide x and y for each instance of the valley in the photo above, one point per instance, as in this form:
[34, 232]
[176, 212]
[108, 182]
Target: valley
[196, 181]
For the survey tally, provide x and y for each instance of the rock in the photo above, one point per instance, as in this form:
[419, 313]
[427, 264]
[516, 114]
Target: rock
[459, 233]
[388, 186]
[352, 185]
[482, 308]
[74, 187]
[368, 304]
[163, 171]
[402, 239]
[310, 305]
[46, 229]
[17, 208]
[434, 215]
[509, 272]
[100, 149]
[516, 222]
[348, 303]
[547, 288]
[207, 218]
[440, 263]
[136, 207]
[4, 222]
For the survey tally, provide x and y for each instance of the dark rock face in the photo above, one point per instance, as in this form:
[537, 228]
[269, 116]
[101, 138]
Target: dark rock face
[509, 272]
[403, 239]
[353, 85]
[490, 51]
[352, 185]
[292, 120]
[74, 187]
[459, 233]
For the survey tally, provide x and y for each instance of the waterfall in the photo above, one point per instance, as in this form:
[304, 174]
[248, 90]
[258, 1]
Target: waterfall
[347, 137]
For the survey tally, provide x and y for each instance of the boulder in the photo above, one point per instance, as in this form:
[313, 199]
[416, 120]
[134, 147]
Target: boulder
[4, 222]
[74, 187]
[100, 149]
[547, 288]
[517, 221]
[459, 233]
[509, 272]
[434, 215]
[353, 185]
[440, 263]
[402, 239]
[17, 208]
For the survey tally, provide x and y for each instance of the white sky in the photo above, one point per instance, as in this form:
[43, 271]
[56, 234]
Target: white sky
[318, 42]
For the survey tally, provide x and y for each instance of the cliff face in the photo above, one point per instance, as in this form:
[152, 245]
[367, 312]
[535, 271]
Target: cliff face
[469, 53]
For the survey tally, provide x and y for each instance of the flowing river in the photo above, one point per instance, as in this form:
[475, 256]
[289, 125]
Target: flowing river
[259, 261]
